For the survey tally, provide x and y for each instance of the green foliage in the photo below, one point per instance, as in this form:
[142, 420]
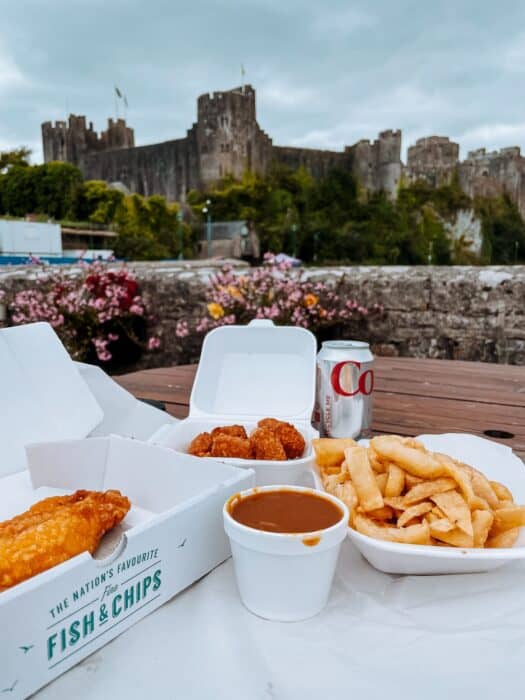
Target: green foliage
[330, 221]
[49, 189]
[19, 156]
[97, 203]
[149, 230]
[326, 221]
[56, 186]
[503, 230]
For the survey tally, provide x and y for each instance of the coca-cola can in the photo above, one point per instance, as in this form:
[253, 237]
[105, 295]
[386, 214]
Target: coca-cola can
[345, 386]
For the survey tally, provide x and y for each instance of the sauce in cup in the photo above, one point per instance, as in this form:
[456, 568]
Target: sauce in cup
[285, 541]
[285, 511]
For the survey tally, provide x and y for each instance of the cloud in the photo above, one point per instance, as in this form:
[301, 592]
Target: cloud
[341, 23]
[493, 136]
[513, 56]
[326, 74]
[10, 74]
[283, 94]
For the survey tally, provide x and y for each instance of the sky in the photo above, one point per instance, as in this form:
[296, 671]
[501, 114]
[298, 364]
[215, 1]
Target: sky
[326, 73]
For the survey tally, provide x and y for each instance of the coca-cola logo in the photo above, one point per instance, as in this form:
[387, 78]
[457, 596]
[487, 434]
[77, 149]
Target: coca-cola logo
[365, 382]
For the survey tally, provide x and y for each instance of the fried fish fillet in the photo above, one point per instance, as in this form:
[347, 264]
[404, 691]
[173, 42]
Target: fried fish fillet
[55, 530]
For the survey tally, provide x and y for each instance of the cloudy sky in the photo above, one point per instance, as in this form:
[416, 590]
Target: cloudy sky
[326, 73]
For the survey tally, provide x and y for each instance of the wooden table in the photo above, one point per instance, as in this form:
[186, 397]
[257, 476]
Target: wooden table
[411, 397]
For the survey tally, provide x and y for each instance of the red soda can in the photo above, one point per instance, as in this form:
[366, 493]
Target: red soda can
[345, 386]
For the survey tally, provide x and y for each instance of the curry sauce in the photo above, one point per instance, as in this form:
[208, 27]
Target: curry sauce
[285, 511]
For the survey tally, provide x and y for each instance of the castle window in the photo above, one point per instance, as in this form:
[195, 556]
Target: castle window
[227, 148]
[222, 148]
[220, 170]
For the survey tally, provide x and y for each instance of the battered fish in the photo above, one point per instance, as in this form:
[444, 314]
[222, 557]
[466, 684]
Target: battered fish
[55, 530]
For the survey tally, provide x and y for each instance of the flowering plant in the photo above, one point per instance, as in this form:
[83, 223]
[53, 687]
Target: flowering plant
[274, 291]
[98, 313]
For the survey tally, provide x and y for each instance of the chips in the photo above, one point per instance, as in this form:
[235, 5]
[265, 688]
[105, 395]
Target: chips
[331, 452]
[363, 478]
[399, 491]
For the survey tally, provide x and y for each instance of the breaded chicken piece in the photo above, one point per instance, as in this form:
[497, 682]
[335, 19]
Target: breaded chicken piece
[267, 445]
[200, 446]
[55, 530]
[291, 439]
[231, 446]
[270, 423]
[233, 430]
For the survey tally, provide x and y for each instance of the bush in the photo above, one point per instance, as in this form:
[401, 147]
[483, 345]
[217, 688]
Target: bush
[49, 189]
[277, 292]
[98, 313]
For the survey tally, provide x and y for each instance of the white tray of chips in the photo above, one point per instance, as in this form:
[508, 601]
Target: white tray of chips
[495, 461]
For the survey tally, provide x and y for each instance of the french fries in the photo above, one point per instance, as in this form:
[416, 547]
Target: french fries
[363, 478]
[330, 452]
[399, 491]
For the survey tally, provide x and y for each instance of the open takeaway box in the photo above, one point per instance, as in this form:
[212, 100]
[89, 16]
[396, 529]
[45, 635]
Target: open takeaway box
[172, 535]
[247, 373]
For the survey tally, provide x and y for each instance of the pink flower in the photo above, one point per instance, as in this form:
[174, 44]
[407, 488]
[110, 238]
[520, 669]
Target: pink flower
[153, 343]
[181, 329]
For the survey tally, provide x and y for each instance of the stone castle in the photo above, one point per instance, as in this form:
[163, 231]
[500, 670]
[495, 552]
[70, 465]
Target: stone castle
[226, 139]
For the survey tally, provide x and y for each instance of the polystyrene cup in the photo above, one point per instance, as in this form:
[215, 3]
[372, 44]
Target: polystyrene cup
[285, 576]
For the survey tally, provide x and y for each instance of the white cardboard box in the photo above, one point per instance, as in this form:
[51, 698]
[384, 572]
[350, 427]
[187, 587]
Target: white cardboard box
[247, 373]
[172, 536]
[44, 395]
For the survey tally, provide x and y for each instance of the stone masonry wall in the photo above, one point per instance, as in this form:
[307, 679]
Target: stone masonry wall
[465, 313]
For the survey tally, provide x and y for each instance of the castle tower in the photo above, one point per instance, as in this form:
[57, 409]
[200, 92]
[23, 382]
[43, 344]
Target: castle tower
[71, 142]
[117, 135]
[229, 140]
[433, 159]
[389, 168]
[377, 166]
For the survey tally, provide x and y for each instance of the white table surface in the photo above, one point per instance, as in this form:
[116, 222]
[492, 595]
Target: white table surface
[379, 637]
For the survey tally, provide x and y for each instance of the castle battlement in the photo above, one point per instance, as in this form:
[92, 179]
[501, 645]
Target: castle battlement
[227, 140]
[74, 140]
[483, 154]
[390, 134]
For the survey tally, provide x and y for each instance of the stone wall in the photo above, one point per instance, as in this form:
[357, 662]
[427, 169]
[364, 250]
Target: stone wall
[170, 168]
[465, 313]
[318, 163]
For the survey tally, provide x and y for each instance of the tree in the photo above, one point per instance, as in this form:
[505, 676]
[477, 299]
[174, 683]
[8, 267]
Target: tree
[503, 230]
[18, 191]
[96, 202]
[56, 187]
[49, 189]
[18, 156]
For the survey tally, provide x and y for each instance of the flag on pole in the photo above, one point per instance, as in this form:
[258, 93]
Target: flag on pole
[118, 93]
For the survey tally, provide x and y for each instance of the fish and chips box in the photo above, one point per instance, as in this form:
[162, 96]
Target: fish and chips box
[247, 373]
[171, 537]
[46, 396]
